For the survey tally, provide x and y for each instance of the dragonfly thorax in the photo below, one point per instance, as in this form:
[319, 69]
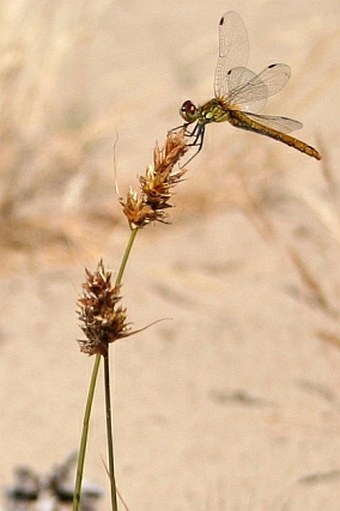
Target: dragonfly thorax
[212, 111]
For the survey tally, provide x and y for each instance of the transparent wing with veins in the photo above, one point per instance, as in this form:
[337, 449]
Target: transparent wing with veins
[233, 50]
[276, 122]
[249, 91]
[241, 88]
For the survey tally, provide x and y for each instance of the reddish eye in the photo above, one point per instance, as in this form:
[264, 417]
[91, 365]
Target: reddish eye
[188, 111]
[188, 108]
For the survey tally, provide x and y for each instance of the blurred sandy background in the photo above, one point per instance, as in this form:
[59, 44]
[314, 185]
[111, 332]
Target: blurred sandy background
[235, 403]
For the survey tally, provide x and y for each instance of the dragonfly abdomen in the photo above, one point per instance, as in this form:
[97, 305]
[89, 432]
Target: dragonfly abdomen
[240, 120]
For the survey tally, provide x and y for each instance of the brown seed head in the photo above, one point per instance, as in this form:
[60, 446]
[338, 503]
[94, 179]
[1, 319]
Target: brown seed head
[101, 320]
[156, 185]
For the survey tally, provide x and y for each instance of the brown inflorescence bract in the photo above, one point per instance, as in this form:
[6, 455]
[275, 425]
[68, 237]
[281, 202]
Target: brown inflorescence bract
[150, 202]
[101, 319]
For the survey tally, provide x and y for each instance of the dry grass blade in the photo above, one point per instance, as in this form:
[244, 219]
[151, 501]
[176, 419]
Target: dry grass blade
[333, 339]
[310, 282]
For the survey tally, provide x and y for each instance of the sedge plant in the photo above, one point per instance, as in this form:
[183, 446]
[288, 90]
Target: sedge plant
[103, 319]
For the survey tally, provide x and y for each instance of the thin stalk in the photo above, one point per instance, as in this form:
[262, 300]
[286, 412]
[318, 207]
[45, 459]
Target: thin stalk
[84, 435]
[126, 255]
[89, 402]
[109, 432]
[109, 428]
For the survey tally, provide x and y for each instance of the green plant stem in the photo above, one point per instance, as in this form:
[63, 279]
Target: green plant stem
[109, 428]
[126, 255]
[109, 433]
[84, 435]
[89, 402]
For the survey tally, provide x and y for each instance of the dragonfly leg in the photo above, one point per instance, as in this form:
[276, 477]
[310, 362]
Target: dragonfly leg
[197, 136]
[178, 128]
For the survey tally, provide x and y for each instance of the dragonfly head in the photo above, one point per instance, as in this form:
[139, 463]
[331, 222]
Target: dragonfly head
[189, 111]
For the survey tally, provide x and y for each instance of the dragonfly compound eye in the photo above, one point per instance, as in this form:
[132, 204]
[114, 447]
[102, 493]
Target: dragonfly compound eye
[188, 111]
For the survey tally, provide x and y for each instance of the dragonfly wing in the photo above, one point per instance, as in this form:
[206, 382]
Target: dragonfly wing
[233, 50]
[238, 76]
[246, 91]
[274, 77]
[284, 124]
[253, 90]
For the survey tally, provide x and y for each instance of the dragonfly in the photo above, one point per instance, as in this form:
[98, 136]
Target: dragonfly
[240, 93]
